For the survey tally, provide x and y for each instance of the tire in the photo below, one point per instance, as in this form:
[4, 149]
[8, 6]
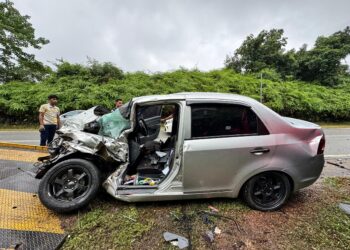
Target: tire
[70, 185]
[267, 191]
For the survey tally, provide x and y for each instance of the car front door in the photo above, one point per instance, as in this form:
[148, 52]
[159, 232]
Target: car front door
[226, 140]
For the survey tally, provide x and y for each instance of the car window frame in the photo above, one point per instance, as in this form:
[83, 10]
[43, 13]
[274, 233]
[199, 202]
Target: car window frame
[192, 103]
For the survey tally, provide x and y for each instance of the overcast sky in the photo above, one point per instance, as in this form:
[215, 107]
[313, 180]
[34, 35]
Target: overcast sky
[159, 35]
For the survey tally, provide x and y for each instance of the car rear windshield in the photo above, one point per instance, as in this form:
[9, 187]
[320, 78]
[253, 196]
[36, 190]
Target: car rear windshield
[220, 120]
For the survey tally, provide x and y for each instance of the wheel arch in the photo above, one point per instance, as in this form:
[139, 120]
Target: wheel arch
[96, 160]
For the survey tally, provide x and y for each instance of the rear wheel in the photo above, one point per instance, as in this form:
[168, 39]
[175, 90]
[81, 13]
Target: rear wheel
[267, 191]
[70, 185]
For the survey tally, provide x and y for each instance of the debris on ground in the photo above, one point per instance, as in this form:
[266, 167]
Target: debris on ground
[345, 208]
[209, 236]
[176, 240]
[217, 230]
[337, 165]
[213, 209]
[207, 214]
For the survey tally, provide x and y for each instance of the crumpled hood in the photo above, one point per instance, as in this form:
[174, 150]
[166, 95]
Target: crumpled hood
[73, 135]
[79, 121]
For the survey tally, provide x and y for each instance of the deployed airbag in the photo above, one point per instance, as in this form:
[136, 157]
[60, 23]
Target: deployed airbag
[113, 124]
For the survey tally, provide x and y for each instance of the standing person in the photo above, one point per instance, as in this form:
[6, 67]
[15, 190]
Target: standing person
[49, 119]
[118, 103]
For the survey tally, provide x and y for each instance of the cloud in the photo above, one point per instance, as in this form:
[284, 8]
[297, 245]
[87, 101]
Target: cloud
[159, 35]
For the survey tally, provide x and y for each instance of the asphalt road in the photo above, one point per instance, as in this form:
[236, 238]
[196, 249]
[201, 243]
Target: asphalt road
[337, 139]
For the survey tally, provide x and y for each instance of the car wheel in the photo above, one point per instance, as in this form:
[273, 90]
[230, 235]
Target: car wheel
[69, 186]
[267, 191]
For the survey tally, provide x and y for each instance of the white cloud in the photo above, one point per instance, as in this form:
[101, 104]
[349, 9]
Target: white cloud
[159, 35]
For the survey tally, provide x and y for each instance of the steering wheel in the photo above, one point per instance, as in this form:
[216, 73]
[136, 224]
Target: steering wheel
[143, 127]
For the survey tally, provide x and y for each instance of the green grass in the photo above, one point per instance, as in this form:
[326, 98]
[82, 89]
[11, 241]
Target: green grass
[328, 228]
[108, 227]
[325, 226]
[311, 220]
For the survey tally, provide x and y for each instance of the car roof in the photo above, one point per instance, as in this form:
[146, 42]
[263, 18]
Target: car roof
[195, 95]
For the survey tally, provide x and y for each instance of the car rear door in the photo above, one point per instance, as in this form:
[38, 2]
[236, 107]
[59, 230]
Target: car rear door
[227, 140]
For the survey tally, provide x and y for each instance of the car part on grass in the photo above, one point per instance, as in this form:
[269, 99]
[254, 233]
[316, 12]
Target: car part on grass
[217, 230]
[209, 236]
[213, 209]
[345, 208]
[208, 221]
[337, 165]
[176, 240]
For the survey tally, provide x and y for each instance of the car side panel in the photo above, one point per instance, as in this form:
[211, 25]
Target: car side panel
[212, 164]
[297, 158]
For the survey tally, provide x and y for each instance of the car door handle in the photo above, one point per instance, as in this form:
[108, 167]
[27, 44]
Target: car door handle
[259, 151]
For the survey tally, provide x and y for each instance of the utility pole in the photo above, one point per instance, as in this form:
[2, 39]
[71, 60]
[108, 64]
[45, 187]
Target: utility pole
[261, 87]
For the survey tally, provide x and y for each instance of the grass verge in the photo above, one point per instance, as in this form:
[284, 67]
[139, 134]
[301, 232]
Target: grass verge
[310, 220]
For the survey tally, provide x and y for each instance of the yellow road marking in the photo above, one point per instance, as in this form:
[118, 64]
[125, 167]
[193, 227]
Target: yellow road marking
[23, 146]
[23, 211]
[20, 155]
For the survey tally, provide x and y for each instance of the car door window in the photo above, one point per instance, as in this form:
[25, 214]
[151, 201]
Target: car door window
[148, 122]
[220, 120]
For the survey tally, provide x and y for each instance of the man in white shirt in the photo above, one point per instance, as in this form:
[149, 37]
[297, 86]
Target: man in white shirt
[49, 119]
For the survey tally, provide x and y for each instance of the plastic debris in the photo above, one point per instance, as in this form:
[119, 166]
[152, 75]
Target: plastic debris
[209, 236]
[214, 209]
[345, 208]
[217, 230]
[174, 243]
[337, 165]
[176, 240]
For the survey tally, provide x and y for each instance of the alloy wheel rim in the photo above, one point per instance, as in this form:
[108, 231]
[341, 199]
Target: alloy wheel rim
[268, 190]
[69, 184]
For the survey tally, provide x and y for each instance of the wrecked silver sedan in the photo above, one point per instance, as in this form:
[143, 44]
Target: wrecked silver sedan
[220, 145]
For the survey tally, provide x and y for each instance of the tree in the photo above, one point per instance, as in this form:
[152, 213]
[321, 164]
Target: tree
[17, 35]
[322, 63]
[263, 51]
[100, 72]
[103, 72]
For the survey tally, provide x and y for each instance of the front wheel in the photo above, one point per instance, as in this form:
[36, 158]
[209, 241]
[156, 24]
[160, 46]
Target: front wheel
[69, 186]
[267, 191]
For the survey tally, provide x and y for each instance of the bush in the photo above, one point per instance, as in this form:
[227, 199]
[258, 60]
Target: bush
[20, 101]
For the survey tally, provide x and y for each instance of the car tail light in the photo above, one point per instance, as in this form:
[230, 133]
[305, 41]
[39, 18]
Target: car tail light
[321, 146]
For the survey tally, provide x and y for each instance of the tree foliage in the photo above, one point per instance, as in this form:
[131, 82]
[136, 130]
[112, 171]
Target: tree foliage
[17, 35]
[19, 102]
[256, 53]
[94, 70]
[321, 63]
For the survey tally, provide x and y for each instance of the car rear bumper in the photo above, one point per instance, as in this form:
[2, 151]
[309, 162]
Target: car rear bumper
[311, 172]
